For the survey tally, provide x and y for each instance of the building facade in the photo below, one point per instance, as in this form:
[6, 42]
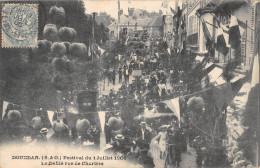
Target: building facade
[137, 21]
[222, 10]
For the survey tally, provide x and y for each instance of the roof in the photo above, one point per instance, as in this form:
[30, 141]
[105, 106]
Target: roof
[104, 20]
[155, 22]
[139, 22]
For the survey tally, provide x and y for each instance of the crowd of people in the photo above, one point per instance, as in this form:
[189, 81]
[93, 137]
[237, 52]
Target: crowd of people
[131, 128]
[136, 135]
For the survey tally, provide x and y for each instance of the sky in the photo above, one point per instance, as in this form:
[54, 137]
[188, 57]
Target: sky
[111, 6]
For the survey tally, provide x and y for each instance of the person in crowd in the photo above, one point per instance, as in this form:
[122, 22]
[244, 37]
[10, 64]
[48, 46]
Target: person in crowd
[126, 75]
[134, 153]
[120, 75]
[144, 135]
[42, 137]
[162, 90]
[174, 145]
[61, 131]
[114, 76]
[118, 145]
[95, 135]
[110, 75]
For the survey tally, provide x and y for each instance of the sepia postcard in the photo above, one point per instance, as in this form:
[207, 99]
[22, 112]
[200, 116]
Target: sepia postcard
[129, 83]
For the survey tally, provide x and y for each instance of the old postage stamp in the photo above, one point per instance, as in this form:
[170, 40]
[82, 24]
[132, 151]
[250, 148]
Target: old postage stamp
[19, 25]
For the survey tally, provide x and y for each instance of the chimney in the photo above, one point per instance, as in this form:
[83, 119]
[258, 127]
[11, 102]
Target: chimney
[121, 12]
[160, 12]
[131, 11]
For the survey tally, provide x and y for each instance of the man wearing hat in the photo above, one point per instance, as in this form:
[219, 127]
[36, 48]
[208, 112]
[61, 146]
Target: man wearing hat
[144, 135]
[119, 144]
[173, 140]
[95, 135]
[43, 135]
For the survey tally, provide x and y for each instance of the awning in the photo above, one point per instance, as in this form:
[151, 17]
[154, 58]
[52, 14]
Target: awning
[228, 6]
[199, 58]
[215, 74]
[237, 77]
[212, 77]
[208, 65]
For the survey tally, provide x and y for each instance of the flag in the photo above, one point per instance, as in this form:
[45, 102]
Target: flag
[169, 50]
[127, 39]
[234, 32]
[100, 50]
[211, 77]
[225, 29]
[174, 106]
[50, 116]
[255, 72]
[222, 45]
[222, 94]
[89, 52]
[5, 104]
[164, 4]
[173, 11]
[206, 31]
[157, 55]
[102, 119]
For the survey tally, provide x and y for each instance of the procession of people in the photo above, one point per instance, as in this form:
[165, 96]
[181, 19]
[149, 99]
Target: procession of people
[127, 129]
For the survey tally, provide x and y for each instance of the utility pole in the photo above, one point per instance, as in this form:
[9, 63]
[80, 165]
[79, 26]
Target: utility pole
[118, 24]
[93, 35]
[257, 51]
[245, 45]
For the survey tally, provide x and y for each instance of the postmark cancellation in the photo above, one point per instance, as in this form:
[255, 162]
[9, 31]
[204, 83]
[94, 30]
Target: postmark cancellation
[19, 25]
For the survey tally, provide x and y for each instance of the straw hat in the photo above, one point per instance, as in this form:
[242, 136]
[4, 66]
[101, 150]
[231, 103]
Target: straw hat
[44, 130]
[119, 137]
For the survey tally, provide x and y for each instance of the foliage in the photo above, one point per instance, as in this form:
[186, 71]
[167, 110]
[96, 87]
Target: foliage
[78, 50]
[50, 32]
[67, 34]
[28, 73]
[58, 49]
[57, 14]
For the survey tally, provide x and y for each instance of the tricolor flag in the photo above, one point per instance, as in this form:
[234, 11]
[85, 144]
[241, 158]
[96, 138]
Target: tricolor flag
[206, 31]
[127, 39]
[101, 50]
[169, 50]
[89, 52]
[234, 32]
[157, 55]
[222, 45]
[173, 11]
[50, 116]
[164, 4]
[5, 104]
[255, 72]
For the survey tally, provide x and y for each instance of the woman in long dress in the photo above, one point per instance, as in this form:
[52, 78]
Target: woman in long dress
[158, 149]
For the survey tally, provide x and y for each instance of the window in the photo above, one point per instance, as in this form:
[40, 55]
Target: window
[193, 25]
[124, 30]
